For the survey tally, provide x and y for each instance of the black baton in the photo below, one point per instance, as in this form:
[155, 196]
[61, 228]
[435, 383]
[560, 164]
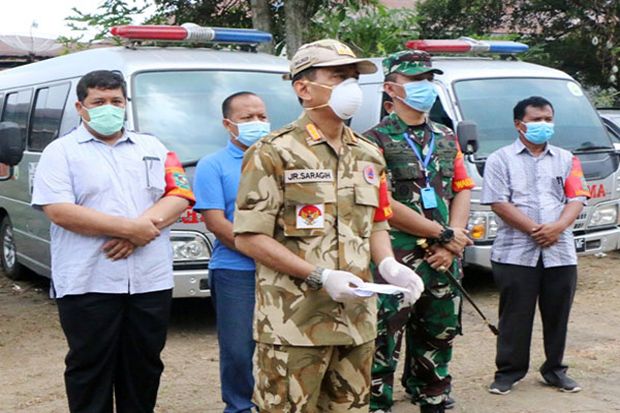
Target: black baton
[422, 243]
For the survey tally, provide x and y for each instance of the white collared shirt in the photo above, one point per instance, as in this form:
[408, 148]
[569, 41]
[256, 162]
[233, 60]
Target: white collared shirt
[124, 179]
[536, 186]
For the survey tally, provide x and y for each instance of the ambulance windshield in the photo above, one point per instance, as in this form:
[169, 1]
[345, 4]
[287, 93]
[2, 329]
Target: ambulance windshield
[489, 102]
[183, 108]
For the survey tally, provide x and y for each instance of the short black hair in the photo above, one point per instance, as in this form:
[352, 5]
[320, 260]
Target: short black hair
[228, 101]
[390, 77]
[100, 79]
[309, 73]
[535, 101]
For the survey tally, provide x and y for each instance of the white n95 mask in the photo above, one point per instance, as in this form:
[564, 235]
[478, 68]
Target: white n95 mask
[345, 100]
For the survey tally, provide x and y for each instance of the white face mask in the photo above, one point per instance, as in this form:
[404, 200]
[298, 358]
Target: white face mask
[345, 100]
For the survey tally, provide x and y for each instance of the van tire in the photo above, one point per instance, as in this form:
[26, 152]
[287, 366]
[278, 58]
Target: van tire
[8, 253]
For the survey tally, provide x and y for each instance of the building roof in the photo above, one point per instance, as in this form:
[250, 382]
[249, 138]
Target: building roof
[20, 46]
[16, 50]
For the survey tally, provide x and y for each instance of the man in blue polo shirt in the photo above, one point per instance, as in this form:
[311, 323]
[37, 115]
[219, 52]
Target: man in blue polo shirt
[232, 277]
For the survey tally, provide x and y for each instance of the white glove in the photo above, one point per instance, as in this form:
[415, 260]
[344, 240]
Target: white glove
[400, 275]
[336, 284]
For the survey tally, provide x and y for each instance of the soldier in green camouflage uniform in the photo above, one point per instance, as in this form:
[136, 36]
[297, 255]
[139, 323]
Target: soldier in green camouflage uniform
[434, 321]
[313, 195]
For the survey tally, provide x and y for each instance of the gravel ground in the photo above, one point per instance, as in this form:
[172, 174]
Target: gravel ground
[32, 348]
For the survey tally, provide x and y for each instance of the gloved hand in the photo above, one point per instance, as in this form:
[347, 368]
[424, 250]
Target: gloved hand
[400, 275]
[336, 284]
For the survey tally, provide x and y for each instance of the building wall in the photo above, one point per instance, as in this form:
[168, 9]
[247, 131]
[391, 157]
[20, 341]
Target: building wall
[400, 4]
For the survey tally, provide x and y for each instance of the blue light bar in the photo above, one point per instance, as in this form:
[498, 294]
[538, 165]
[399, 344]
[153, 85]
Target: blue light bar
[506, 47]
[467, 45]
[240, 36]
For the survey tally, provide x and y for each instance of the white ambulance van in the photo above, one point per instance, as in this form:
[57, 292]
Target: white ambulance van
[174, 93]
[476, 98]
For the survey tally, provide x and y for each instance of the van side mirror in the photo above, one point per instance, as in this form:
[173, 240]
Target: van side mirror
[467, 132]
[11, 149]
[11, 143]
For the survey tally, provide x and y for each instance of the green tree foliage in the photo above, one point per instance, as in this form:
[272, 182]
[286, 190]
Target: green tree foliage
[580, 37]
[109, 13]
[370, 29]
[440, 19]
[217, 13]
[204, 13]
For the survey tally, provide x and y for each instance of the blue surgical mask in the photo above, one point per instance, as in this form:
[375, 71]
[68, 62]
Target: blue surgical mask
[420, 95]
[538, 132]
[251, 132]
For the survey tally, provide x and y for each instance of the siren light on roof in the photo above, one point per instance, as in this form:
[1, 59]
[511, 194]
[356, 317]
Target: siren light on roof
[190, 32]
[467, 45]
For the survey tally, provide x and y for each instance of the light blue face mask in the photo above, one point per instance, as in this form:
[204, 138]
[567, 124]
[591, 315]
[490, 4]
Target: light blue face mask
[420, 95]
[538, 132]
[106, 120]
[251, 132]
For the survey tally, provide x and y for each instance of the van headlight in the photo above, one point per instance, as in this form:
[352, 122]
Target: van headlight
[604, 215]
[482, 225]
[190, 246]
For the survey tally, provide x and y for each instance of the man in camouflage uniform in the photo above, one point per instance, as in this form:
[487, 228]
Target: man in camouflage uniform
[312, 210]
[430, 193]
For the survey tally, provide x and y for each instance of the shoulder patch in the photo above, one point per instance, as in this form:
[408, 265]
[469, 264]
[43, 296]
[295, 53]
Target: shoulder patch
[367, 143]
[441, 127]
[367, 140]
[279, 132]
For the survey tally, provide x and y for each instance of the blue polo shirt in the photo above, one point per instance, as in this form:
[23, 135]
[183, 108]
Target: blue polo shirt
[215, 186]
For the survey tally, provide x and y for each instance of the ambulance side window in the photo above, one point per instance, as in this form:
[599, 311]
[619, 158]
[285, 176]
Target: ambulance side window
[47, 114]
[16, 109]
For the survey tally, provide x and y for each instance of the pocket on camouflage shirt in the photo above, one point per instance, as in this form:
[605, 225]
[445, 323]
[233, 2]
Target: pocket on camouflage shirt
[366, 202]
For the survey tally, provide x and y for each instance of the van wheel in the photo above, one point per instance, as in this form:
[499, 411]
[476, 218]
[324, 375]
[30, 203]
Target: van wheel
[8, 253]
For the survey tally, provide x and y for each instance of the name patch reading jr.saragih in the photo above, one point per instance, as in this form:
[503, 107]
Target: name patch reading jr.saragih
[308, 175]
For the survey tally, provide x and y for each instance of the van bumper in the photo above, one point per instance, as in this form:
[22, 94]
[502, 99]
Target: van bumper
[191, 283]
[599, 241]
[586, 244]
[478, 255]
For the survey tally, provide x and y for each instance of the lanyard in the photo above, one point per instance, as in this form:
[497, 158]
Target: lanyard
[427, 159]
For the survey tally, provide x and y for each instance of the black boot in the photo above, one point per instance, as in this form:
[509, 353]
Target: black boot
[433, 408]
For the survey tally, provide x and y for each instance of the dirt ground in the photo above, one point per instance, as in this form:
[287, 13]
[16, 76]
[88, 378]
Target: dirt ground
[32, 348]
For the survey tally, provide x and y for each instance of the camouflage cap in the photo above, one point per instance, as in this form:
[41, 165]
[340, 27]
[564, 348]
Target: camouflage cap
[326, 53]
[409, 62]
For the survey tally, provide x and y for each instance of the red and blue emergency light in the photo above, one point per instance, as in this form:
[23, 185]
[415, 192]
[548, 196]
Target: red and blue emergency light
[467, 45]
[190, 32]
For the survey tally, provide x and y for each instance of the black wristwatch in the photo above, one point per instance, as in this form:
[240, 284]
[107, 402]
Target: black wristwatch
[314, 279]
[446, 235]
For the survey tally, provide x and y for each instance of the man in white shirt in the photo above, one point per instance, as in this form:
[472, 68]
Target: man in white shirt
[111, 195]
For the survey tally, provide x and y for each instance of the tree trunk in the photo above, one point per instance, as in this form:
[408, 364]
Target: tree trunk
[298, 14]
[261, 20]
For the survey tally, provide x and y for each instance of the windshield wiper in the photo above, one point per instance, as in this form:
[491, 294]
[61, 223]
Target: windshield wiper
[593, 149]
[189, 164]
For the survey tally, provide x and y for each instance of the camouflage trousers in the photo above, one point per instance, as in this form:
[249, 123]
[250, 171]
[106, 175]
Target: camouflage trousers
[430, 327]
[312, 379]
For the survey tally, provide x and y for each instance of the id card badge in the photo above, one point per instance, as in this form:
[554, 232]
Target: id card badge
[429, 199]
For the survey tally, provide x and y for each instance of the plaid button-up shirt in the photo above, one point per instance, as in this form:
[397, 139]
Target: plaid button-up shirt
[539, 187]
